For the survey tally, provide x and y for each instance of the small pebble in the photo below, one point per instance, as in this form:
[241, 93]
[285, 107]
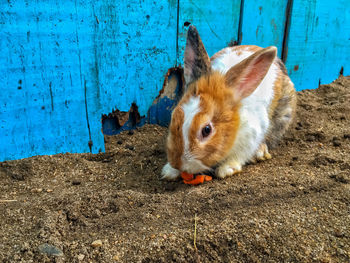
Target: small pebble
[97, 243]
[50, 250]
[336, 143]
[81, 257]
[130, 147]
[49, 190]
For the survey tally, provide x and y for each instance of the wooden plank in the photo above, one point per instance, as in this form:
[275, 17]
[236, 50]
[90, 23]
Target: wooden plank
[318, 42]
[65, 63]
[137, 45]
[263, 23]
[43, 108]
[217, 23]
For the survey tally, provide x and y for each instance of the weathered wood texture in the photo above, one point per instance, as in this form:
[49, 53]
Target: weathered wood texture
[47, 76]
[63, 64]
[216, 21]
[318, 42]
[263, 23]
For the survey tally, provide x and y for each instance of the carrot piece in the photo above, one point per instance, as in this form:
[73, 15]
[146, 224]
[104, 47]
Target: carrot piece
[186, 176]
[195, 180]
[198, 180]
[207, 178]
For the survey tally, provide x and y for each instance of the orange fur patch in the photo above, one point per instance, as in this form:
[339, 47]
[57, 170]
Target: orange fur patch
[217, 105]
[175, 139]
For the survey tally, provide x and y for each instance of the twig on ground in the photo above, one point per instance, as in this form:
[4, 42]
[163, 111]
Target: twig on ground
[7, 201]
[195, 232]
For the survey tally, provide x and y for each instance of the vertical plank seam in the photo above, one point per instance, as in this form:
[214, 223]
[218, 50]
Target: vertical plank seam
[87, 116]
[51, 96]
[287, 24]
[240, 22]
[81, 78]
[177, 33]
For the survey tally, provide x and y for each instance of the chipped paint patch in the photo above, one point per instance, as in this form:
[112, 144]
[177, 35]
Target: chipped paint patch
[118, 121]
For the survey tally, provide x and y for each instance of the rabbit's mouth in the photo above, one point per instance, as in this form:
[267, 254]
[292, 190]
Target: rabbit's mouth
[194, 166]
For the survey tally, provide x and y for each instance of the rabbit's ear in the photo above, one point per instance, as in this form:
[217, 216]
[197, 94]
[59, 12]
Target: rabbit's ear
[246, 76]
[197, 61]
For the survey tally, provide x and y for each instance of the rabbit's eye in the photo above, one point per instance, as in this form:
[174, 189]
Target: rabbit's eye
[206, 130]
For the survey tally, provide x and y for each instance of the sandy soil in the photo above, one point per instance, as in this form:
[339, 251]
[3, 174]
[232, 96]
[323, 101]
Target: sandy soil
[112, 207]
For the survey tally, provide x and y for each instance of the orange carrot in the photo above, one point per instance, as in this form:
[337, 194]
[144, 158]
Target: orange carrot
[186, 176]
[199, 179]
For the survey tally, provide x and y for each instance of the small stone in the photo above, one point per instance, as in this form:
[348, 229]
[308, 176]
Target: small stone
[97, 243]
[50, 250]
[338, 233]
[49, 190]
[81, 257]
[130, 147]
[336, 143]
[37, 190]
[116, 258]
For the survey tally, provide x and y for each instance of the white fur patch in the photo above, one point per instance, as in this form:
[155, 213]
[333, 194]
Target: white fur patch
[229, 58]
[190, 109]
[189, 163]
[169, 173]
[254, 120]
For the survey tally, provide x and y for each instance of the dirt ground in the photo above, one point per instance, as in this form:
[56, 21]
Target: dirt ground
[112, 207]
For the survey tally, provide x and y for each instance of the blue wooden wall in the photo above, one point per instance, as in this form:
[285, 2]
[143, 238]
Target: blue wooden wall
[64, 64]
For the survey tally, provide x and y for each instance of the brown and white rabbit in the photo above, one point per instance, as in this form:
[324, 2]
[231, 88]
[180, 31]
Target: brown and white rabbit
[236, 104]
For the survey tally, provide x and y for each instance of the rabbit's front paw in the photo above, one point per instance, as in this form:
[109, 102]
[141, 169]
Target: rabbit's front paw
[228, 168]
[169, 173]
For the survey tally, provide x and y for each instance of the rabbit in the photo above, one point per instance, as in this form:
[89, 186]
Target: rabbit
[236, 105]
